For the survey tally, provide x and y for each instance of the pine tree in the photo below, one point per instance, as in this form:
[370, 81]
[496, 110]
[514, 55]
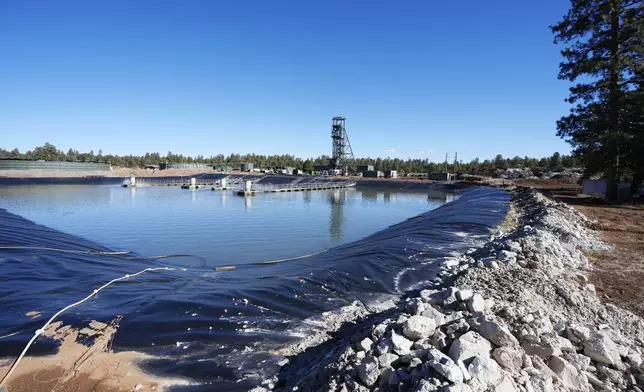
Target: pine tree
[599, 58]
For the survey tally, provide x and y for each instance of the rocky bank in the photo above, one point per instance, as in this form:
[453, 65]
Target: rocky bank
[518, 314]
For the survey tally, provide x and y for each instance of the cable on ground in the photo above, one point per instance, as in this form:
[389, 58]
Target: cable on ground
[271, 262]
[124, 255]
[348, 288]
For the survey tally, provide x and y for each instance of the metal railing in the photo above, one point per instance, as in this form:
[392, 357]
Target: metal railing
[300, 186]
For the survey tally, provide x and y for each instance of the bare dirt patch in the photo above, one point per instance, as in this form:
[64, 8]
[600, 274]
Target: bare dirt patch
[618, 273]
[83, 368]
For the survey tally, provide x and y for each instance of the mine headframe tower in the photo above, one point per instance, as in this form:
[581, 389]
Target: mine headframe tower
[342, 157]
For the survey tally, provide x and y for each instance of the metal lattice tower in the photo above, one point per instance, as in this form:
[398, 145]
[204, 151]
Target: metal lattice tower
[342, 152]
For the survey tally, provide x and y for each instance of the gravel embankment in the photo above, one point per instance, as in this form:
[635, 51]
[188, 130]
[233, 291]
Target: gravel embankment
[520, 315]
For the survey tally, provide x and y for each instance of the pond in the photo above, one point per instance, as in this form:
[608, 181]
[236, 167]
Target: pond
[219, 226]
[340, 251]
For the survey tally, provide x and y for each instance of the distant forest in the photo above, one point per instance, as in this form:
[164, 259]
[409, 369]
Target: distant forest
[49, 152]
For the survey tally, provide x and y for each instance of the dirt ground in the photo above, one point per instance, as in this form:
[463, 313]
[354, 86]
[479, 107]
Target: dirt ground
[82, 368]
[618, 274]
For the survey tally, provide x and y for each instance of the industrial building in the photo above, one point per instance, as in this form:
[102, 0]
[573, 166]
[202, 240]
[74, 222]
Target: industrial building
[373, 174]
[246, 167]
[364, 168]
[441, 176]
[391, 174]
[284, 170]
[183, 166]
[223, 168]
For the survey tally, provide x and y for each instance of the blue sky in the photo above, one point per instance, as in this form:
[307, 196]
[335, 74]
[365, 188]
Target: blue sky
[413, 78]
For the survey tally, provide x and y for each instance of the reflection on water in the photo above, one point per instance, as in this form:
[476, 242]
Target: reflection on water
[336, 199]
[389, 197]
[217, 225]
[369, 194]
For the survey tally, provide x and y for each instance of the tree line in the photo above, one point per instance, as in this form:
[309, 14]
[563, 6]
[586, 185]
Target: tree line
[604, 58]
[49, 152]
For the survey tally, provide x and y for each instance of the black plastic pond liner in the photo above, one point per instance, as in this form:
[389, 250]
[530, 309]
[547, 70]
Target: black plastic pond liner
[218, 327]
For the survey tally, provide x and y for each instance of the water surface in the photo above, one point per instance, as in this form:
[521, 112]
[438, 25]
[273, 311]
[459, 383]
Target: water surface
[218, 226]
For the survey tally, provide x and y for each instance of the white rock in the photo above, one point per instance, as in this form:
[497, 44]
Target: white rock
[578, 333]
[527, 362]
[486, 370]
[449, 318]
[514, 246]
[539, 383]
[509, 357]
[401, 345]
[425, 386]
[476, 385]
[497, 333]
[622, 350]
[449, 295]
[635, 359]
[417, 306]
[439, 339]
[568, 374]
[602, 349]
[559, 328]
[457, 388]
[476, 303]
[579, 361]
[434, 314]
[433, 297]
[360, 355]
[422, 345]
[466, 373]
[544, 349]
[385, 360]
[541, 325]
[379, 330]
[595, 382]
[506, 255]
[464, 294]
[368, 371]
[489, 304]
[469, 346]
[528, 318]
[365, 344]
[445, 366]
[451, 262]
[615, 376]
[505, 385]
[419, 327]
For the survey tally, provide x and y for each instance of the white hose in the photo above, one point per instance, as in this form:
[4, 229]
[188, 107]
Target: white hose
[42, 329]
[84, 252]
